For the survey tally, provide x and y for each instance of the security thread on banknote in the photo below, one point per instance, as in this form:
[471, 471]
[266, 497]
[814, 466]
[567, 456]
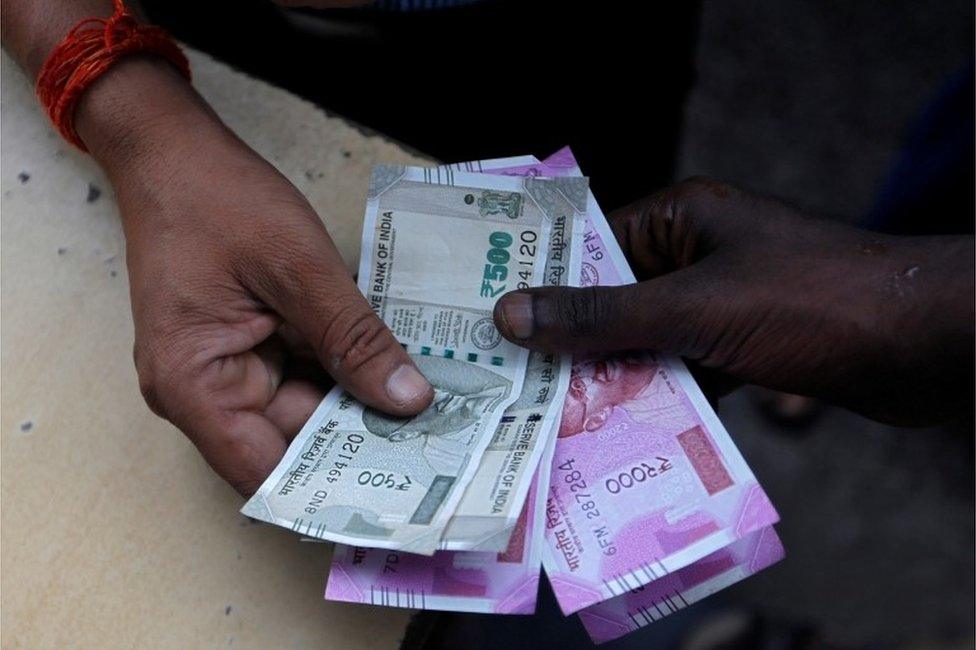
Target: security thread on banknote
[437, 253]
[489, 510]
[463, 581]
[649, 603]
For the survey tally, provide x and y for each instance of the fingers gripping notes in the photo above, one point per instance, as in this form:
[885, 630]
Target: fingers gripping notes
[611, 471]
[437, 253]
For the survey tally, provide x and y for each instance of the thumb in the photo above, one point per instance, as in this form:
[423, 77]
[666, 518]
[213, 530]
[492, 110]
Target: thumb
[315, 295]
[666, 314]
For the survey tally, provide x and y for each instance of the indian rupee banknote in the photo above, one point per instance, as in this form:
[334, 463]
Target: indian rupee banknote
[444, 582]
[648, 603]
[462, 581]
[489, 509]
[692, 515]
[439, 247]
[645, 479]
[504, 581]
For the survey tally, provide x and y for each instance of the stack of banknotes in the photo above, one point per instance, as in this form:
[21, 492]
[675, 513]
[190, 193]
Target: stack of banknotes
[613, 473]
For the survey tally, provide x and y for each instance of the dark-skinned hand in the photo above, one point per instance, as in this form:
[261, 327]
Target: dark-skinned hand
[751, 288]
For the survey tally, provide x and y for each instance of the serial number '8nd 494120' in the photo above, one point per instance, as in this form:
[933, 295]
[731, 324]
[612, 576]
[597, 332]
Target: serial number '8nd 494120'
[499, 256]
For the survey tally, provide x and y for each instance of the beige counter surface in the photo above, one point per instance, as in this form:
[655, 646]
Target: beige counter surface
[115, 533]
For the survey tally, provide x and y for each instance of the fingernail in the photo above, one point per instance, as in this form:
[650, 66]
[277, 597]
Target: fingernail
[405, 384]
[517, 312]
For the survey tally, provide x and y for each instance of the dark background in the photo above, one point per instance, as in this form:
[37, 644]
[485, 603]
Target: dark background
[841, 107]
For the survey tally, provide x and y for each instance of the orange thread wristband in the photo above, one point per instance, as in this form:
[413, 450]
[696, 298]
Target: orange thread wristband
[88, 51]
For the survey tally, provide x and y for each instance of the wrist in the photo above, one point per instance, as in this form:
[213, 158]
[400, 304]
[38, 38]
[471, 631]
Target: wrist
[928, 318]
[138, 110]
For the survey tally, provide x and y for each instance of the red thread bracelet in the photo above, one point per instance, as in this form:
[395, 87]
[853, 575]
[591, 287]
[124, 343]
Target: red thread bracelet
[88, 51]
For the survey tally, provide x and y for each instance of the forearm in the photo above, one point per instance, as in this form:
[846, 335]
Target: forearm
[141, 106]
[31, 28]
[140, 110]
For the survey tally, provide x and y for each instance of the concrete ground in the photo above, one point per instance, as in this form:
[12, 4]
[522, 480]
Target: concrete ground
[810, 101]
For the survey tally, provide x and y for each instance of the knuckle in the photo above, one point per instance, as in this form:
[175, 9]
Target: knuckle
[246, 487]
[278, 258]
[584, 312]
[689, 195]
[674, 203]
[236, 461]
[233, 455]
[147, 372]
[697, 185]
[684, 218]
[272, 263]
[162, 371]
[354, 338]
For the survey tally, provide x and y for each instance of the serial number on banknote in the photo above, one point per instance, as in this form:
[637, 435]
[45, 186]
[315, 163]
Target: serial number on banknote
[350, 445]
[585, 502]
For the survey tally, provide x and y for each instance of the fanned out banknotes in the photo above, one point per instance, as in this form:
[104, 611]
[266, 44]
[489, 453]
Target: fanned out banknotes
[613, 473]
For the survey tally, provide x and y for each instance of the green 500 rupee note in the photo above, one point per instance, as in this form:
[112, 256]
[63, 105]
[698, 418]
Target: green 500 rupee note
[439, 248]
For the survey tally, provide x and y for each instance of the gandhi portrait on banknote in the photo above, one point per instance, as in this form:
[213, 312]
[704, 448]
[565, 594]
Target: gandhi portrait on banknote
[462, 391]
[596, 388]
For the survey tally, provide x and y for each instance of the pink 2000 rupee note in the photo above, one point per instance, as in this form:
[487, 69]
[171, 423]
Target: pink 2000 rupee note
[682, 539]
[461, 581]
[649, 603]
[645, 479]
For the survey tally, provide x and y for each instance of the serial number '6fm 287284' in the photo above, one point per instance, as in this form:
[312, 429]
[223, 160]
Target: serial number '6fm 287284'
[583, 494]
[586, 501]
